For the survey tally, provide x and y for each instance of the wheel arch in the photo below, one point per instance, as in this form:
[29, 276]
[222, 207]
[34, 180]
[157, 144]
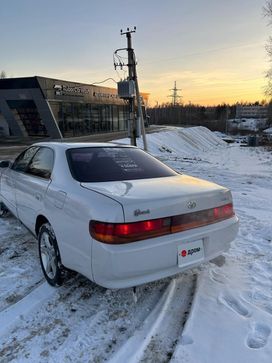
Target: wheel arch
[40, 220]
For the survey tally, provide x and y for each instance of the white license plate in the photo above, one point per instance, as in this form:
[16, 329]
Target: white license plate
[189, 253]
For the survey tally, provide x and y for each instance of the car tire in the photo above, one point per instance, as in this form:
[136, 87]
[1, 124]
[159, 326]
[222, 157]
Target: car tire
[50, 256]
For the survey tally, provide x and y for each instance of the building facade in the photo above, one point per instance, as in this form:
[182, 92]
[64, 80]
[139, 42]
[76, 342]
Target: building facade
[39, 106]
[254, 111]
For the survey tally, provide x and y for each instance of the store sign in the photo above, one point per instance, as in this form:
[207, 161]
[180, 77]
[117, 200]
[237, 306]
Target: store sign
[104, 95]
[63, 90]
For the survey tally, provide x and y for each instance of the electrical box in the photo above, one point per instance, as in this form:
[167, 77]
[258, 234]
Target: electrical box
[126, 89]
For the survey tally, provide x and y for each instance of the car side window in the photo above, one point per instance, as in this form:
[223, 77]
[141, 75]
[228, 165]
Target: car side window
[22, 161]
[42, 163]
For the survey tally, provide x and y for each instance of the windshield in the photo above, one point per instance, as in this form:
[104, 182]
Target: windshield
[102, 164]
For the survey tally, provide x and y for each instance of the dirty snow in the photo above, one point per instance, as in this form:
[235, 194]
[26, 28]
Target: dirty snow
[230, 319]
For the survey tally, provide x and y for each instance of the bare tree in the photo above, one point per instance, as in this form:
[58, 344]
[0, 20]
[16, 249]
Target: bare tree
[3, 74]
[267, 10]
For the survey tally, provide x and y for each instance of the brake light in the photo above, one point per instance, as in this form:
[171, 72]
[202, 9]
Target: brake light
[118, 233]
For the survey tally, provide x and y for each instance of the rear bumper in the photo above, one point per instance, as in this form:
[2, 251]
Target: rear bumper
[132, 264]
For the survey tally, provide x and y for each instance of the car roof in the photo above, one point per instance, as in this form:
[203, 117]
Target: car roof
[75, 145]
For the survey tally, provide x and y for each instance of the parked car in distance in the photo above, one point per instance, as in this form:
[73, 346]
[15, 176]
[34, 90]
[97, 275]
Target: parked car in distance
[114, 213]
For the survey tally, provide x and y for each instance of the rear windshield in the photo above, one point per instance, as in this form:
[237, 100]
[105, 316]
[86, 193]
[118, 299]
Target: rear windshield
[102, 164]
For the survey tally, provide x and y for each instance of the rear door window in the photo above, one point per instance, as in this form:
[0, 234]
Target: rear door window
[42, 163]
[101, 164]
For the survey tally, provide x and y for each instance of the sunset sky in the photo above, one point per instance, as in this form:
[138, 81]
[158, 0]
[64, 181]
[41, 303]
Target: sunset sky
[214, 49]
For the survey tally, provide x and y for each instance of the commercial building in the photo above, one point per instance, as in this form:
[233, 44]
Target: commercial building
[254, 111]
[39, 106]
[253, 118]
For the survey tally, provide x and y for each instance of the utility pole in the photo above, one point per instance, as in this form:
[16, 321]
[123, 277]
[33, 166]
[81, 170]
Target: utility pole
[132, 76]
[175, 95]
[139, 105]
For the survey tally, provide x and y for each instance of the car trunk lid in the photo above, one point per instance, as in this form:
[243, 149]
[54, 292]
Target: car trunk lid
[162, 197]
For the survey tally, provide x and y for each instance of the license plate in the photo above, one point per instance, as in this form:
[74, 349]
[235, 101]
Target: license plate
[189, 253]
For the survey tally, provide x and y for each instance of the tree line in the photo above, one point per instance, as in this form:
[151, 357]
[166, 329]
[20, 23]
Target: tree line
[213, 117]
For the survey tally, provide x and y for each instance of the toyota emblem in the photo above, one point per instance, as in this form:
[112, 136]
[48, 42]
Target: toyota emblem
[191, 204]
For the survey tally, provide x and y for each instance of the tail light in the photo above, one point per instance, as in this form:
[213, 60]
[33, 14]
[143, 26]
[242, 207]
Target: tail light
[202, 218]
[119, 233]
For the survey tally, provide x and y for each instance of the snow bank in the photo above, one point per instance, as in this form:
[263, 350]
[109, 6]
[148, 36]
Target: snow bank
[268, 131]
[180, 141]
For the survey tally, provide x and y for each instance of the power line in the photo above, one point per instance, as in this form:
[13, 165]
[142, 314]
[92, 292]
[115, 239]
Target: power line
[105, 80]
[212, 50]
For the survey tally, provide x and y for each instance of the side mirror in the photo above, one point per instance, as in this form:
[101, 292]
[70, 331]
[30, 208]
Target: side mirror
[5, 164]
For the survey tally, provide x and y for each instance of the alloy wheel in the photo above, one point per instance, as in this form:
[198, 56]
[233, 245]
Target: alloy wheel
[48, 255]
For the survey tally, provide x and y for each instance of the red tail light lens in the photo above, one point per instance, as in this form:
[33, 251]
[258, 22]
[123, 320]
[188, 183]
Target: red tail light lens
[118, 233]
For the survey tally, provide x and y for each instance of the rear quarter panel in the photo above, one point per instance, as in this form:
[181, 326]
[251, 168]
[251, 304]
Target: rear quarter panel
[69, 211]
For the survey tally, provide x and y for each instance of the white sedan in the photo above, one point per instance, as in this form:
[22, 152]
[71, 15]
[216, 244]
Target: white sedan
[114, 213]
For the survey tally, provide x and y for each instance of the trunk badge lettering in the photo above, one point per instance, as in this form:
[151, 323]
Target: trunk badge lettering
[191, 204]
[138, 212]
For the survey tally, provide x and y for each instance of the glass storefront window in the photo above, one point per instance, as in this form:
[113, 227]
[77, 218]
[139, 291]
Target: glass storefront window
[76, 119]
[4, 128]
[123, 117]
[115, 118]
[25, 111]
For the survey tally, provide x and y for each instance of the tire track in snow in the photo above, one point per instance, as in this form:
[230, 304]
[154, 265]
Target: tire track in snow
[20, 271]
[82, 322]
[26, 292]
[156, 339]
[18, 311]
[115, 318]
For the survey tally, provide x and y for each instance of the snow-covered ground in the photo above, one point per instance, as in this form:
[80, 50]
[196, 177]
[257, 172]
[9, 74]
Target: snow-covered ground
[230, 319]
